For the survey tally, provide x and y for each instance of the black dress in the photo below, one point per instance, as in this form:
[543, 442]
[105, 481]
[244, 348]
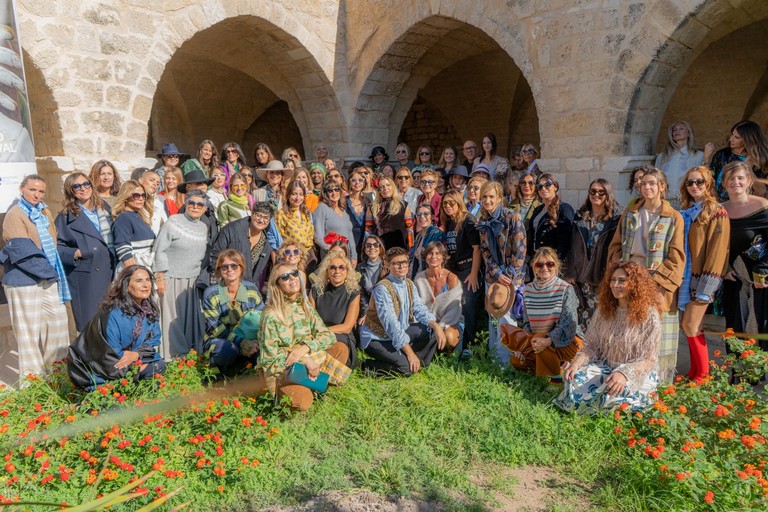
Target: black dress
[332, 306]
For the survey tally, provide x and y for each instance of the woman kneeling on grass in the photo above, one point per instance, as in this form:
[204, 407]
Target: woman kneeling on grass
[125, 332]
[292, 332]
[619, 361]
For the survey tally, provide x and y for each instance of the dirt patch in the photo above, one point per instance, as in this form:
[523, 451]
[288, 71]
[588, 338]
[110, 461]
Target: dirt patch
[359, 501]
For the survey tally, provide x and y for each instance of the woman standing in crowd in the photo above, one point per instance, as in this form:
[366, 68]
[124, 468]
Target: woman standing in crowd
[440, 290]
[707, 232]
[369, 193]
[173, 198]
[371, 269]
[132, 232]
[678, 156]
[511, 187]
[250, 185]
[262, 155]
[336, 297]
[294, 220]
[593, 231]
[449, 159]
[747, 143]
[618, 363]
[85, 246]
[169, 160]
[424, 159]
[635, 179]
[473, 194]
[206, 160]
[530, 158]
[236, 205]
[550, 316]
[291, 154]
[105, 180]
[389, 217]
[428, 183]
[403, 156]
[154, 205]
[457, 180]
[379, 157]
[234, 161]
[276, 176]
[357, 207]
[224, 305]
[34, 280]
[321, 153]
[408, 193]
[302, 176]
[498, 166]
[552, 221]
[180, 253]
[125, 332]
[462, 242]
[292, 332]
[651, 233]
[217, 192]
[331, 217]
[426, 232]
[527, 201]
[502, 244]
[744, 289]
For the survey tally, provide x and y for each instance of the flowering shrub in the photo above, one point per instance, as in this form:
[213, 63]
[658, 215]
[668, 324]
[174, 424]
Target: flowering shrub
[60, 445]
[706, 443]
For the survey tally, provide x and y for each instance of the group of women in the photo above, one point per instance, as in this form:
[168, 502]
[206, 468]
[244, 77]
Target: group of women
[284, 272]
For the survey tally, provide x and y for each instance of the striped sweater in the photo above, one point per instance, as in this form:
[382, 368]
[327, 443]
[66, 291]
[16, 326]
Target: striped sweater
[551, 308]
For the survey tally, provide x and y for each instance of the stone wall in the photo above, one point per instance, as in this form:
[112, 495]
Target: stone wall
[425, 125]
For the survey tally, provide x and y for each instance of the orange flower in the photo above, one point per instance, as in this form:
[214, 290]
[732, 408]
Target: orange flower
[748, 442]
[755, 423]
[682, 409]
[721, 411]
[709, 497]
[726, 434]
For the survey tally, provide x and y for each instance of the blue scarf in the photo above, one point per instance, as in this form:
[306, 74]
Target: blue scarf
[492, 228]
[36, 215]
[689, 216]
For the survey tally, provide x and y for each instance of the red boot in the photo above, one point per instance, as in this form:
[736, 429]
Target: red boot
[699, 357]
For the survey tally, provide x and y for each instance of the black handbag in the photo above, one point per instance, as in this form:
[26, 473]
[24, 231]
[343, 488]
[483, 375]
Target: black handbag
[757, 249]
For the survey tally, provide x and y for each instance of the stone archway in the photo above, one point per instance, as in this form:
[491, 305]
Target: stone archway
[44, 112]
[226, 77]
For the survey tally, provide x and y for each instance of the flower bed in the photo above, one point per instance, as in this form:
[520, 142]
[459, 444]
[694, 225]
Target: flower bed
[705, 443]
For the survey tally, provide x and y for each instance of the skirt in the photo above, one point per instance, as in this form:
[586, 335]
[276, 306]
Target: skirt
[181, 318]
[670, 332]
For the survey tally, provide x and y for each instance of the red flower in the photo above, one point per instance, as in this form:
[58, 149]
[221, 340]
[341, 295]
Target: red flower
[680, 477]
[709, 497]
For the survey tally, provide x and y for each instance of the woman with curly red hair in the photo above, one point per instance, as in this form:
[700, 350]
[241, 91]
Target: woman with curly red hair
[618, 363]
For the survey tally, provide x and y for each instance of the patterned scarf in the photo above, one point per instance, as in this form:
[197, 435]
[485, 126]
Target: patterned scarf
[141, 311]
[492, 228]
[689, 216]
[41, 222]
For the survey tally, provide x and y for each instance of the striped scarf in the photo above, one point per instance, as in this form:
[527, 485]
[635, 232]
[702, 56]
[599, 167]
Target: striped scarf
[544, 303]
[689, 216]
[36, 215]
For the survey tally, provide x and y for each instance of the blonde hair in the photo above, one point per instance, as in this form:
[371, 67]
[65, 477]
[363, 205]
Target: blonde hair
[395, 203]
[125, 192]
[277, 302]
[351, 283]
[547, 252]
[496, 186]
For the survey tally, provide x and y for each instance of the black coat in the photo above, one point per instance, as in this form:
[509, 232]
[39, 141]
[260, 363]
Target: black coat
[579, 267]
[558, 237]
[90, 276]
[235, 236]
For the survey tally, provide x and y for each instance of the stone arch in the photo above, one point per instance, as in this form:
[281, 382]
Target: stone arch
[661, 58]
[44, 112]
[428, 48]
[242, 66]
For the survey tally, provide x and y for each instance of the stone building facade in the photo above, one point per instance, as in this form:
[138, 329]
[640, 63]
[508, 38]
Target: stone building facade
[595, 82]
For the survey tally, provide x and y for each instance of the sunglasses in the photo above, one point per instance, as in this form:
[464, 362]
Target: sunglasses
[449, 203]
[217, 176]
[334, 268]
[291, 252]
[528, 152]
[333, 190]
[334, 176]
[372, 245]
[138, 196]
[229, 266]
[698, 183]
[424, 214]
[79, 186]
[546, 185]
[239, 185]
[400, 151]
[232, 150]
[427, 183]
[293, 155]
[196, 204]
[285, 277]
[425, 153]
[527, 183]
[247, 175]
[598, 193]
[542, 264]
[403, 177]
[357, 180]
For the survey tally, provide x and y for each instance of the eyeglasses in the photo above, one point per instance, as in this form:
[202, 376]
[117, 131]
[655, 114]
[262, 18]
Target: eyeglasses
[403, 177]
[334, 268]
[528, 152]
[423, 214]
[399, 264]
[291, 252]
[288, 275]
[333, 190]
[247, 175]
[469, 148]
[196, 204]
[618, 280]
[293, 155]
[261, 218]
[427, 183]
[79, 186]
[450, 204]
[541, 264]
[698, 183]
[527, 183]
[137, 196]
[372, 245]
[473, 188]
[229, 266]
[546, 185]
[357, 180]
[400, 151]
[424, 153]
[217, 176]
[595, 192]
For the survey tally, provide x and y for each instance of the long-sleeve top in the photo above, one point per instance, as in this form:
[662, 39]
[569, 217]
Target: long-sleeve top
[131, 235]
[217, 307]
[22, 256]
[120, 334]
[499, 166]
[181, 247]
[511, 243]
[326, 221]
[230, 210]
[411, 197]
[632, 350]
[552, 308]
[159, 215]
[544, 234]
[278, 339]
[394, 325]
[294, 225]
[708, 245]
